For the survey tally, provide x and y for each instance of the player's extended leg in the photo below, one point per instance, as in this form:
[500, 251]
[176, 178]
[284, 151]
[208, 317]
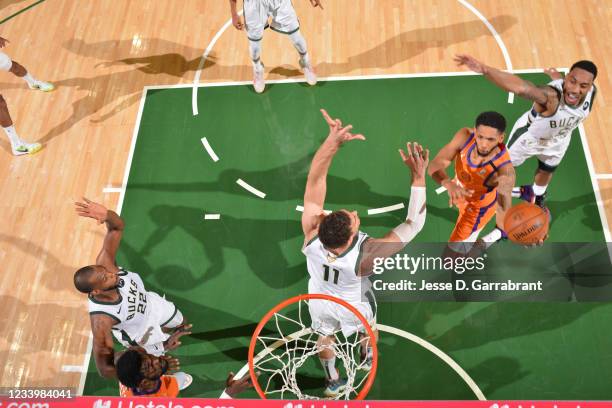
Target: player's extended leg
[255, 20]
[19, 70]
[18, 146]
[284, 20]
[334, 384]
[300, 45]
[258, 68]
[541, 180]
[366, 352]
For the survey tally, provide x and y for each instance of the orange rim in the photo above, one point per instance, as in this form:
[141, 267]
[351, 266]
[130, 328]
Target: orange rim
[368, 384]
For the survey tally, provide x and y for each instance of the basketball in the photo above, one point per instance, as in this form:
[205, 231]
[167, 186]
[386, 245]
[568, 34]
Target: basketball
[526, 224]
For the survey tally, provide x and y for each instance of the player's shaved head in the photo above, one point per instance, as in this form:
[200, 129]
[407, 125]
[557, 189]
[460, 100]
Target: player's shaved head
[586, 65]
[335, 229]
[82, 279]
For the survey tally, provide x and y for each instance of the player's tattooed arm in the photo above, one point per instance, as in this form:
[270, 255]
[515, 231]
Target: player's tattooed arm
[316, 184]
[505, 184]
[101, 326]
[544, 96]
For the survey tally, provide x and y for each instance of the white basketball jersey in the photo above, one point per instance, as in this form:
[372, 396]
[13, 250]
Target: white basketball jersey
[335, 275]
[557, 128]
[131, 309]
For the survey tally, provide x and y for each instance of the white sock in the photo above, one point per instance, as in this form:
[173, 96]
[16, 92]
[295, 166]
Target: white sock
[330, 368]
[516, 192]
[255, 53]
[300, 45]
[539, 190]
[29, 79]
[13, 136]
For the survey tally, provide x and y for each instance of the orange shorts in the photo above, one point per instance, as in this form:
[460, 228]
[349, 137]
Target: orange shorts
[473, 216]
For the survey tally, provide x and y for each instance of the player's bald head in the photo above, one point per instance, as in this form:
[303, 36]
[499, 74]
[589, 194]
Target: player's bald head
[83, 279]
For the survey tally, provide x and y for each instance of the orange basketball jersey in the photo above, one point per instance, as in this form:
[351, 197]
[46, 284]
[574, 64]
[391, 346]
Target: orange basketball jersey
[477, 176]
[168, 387]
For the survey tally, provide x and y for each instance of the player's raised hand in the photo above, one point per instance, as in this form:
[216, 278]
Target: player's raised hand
[237, 22]
[553, 73]
[316, 3]
[235, 387]
[174, 339]
[3, 42]
[338, 133]
[90, 209]
[471, 63]
[417, 160]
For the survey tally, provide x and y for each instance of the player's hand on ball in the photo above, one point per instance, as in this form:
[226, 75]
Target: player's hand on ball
[338, 133]
[417, 160]
[553, 73]
[237, 22]
[90, 209]
[173, 364]
[471, 63]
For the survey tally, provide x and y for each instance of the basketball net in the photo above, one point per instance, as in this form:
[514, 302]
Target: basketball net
[289, 342]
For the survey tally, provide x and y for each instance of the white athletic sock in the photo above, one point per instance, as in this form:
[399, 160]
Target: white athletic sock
[300, 45]
[13, 136]
[255, 53]
[516, 192]
[330, 368]
[539, 190]
[29, 79]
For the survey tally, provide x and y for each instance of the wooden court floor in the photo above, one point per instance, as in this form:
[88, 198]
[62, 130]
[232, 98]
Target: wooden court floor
[101, 54]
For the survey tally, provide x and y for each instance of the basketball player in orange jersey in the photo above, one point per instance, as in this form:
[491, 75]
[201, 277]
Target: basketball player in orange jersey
[483, 181]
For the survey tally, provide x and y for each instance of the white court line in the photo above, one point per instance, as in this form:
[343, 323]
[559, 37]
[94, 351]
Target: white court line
[111, 189]
[600, 203]
[212, 216]
[301, 209]
[345, 78]
[85, 364]
[603, 176]
[398, 332]
[196, 79]
[72, 368]
[126, 174]
[250, 188]
[497, 37]
[385, 209]
[209, 149]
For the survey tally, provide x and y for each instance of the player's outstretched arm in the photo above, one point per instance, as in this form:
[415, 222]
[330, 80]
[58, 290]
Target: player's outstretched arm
[114, 226]
[101, 326]
[416, 159]
[437, 169]
[316, 184]
[543, 96]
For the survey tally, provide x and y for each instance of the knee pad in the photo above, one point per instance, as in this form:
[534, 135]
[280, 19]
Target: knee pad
[545, 167]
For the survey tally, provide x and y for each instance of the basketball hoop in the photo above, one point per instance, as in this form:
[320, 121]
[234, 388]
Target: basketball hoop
[288, 342]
